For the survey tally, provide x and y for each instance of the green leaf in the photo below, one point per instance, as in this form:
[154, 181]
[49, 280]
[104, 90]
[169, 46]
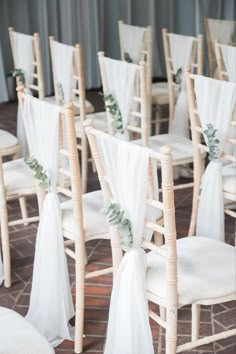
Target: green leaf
[127, 58]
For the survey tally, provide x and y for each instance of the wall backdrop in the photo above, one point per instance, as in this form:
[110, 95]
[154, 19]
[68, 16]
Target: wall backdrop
[93, 23]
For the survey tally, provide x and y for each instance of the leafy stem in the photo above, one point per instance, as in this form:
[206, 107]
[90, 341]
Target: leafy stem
[212, 142]
[60, 92]
[118, 217]
[20, 74]
[127, 58]
[39, 173]
[178, 77]
[112, 107]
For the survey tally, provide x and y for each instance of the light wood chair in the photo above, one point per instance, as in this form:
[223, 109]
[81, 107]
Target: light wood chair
[210, 41]
[37, 74]
[181, 146]
[157, 92]
[82, 220]
[199, 163]
[196, 65]
[223, 74]
[89, 108]
[171, 286]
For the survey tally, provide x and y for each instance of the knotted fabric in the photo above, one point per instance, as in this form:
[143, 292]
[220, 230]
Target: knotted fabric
[133, 41]
[121, 84]
[126, 167]
[215, 103]
[180, 52]
[62, 57]
[51, 304]
[23, 59]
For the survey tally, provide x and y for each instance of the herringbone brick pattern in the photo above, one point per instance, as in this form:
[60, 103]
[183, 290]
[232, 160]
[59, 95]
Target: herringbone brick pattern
[22, 238]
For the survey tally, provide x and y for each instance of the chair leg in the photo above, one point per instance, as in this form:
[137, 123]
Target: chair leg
[23, 208]
[171, 330]
[196, 309]
[84, 165]
[79, 305]
[158, 117]
[5, 247]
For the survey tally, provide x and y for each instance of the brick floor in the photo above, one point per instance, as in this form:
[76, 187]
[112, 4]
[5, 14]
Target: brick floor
[97, 292]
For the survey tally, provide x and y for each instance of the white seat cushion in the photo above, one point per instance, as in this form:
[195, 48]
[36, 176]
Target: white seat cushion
[99, 121]
[95, 222]
[88, 105]
[229, 186]
[18, 178]
[7, 140]
[205, 270]
[160, 92]
[18, 336]
[182, 148]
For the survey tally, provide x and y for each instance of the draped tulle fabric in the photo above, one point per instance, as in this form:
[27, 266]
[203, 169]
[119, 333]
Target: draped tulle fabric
[121, 79]
[23, 58]
[215, 102]
[133, 41]
[126, 167]
[62, 56]
[221, 30]
[180, 52]
[51, 304]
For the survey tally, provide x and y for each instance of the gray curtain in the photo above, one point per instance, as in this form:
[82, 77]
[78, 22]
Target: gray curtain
[93, 23]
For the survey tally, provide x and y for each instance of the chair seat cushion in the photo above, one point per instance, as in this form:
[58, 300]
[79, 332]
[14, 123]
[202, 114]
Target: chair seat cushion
[229, 186]
[182, 148]
[95, 222]
[18, 178]
[7, 140]
[88, 105]
[160, 92]
[99, 121]
[205, 268]
[18, 336]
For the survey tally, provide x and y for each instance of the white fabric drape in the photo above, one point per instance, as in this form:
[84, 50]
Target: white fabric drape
[121, 85]
[51, 304]
[229, 57]
[133, 41]
[1, 269]
[62, 57]
[221, 30]
[215, 102]
[126, 167]
[23, 59]
[180, 52]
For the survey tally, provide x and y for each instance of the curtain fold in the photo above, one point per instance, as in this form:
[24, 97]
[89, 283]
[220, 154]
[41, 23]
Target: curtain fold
[93, 23]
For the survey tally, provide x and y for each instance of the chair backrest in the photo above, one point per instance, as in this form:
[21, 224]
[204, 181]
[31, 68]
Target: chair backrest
[196, 64]
[226, 59]
[164, 158]
[36, 71]
[137, 121]
[221, 30]
[142, 42]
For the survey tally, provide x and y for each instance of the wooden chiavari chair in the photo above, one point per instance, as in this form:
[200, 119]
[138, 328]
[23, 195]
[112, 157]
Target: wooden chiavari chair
[82, 220]
[196, 65]
[173, 287]
[210, 40]
[199, 147]
[222, 71]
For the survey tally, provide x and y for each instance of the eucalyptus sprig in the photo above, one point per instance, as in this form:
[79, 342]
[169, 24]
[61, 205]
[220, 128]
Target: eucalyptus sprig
[39, 173]
[212, 142]
[178, 77]
[117, 217]
[127, 58]
[112, 106]
[60, 92]
[20, 74]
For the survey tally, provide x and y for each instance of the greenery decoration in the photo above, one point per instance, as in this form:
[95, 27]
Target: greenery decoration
[39, 173]
[60, 92]
[118, 217]
[112, 106]
[178, 77]
[212, 142]
[20, 74]
[127, 58]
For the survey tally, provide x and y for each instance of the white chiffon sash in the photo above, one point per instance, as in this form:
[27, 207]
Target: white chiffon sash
[180, 51]
[121, 78]
[51, 304]
[215, 102]
[63, 56]
[229, 57]
[23, 59]
[221, 30]
[133, 41]
[126, 167]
